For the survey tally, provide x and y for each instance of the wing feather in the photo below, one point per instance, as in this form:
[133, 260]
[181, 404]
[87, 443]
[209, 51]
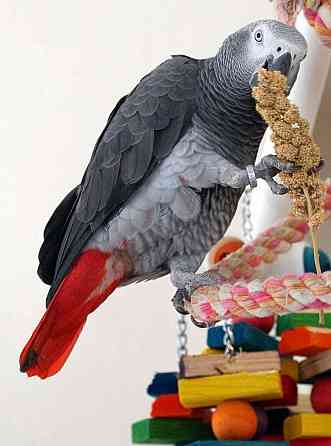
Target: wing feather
[144, 129]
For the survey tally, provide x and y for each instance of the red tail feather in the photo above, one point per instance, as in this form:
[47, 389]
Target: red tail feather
[88, 284]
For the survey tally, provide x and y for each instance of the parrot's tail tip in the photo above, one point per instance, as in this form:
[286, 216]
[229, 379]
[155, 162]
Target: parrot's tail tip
[28, 361]
[91, 280]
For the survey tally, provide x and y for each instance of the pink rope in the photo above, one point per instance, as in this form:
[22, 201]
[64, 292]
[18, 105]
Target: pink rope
[240, 294]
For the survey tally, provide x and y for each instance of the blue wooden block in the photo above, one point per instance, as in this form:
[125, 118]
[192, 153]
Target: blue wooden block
[239, 443]
[246, 336]
[309, 262]
[163, 384]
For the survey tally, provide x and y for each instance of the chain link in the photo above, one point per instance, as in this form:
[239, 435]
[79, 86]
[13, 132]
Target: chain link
[228, 340]
[181, 336]
[247, 227]
[247, 224]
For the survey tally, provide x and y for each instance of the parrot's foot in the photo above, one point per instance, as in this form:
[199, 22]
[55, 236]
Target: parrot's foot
[269, 167]
[194, 281]
[179, 300]
[191, 283]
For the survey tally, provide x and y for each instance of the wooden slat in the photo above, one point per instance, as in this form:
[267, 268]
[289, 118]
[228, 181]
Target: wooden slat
[307, 425]
[246, 336]
[211, 390]
[163, 384]
[305, 319]
[169, 406]
[305, 341]
[170, 431]
[213, 365]
[315, 365]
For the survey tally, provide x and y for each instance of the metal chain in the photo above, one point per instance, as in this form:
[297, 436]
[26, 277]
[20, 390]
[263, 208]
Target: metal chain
[247, 225]
[228, 339]
[181, 336]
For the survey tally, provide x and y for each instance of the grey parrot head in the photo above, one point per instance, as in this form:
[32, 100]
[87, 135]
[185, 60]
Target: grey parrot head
[266, 43]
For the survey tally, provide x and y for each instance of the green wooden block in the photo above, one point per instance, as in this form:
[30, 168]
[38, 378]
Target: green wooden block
[294, 320]
[170, 431]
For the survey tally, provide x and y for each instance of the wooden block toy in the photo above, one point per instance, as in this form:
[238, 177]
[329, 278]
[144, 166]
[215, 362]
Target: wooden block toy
[290, 367]
[307, 425]
[163, 384]
[320, 396]
[240, 443]
[211, 390]
[312, 442]
[170, 431]
[246, 336]
[315, 365]
[276, 418]
[213, 365]
[294, 320]
[305, 341]
[290, 394]
[169, 406]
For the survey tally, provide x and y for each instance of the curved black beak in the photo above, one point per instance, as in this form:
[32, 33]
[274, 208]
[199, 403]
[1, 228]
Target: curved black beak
[282, 63]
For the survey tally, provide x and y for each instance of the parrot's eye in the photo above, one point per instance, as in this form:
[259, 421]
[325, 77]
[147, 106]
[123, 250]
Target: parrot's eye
[258, 36]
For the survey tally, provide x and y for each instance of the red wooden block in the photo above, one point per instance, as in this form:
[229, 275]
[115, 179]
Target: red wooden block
[320, 396]
[311, 442]
[169, 406]
[305, 341]
[290, 394]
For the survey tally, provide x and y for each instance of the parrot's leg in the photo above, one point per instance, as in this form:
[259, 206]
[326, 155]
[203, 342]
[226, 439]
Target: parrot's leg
[267, 169]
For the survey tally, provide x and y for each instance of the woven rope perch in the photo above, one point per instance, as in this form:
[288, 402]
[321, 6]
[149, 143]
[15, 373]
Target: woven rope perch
[240, 294]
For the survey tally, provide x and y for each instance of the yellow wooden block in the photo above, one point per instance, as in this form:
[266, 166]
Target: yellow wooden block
[290, 367]
[307, 425]
[211, 390]
[211, 351]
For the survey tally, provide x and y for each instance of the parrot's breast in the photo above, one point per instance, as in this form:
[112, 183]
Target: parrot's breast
[179, 210]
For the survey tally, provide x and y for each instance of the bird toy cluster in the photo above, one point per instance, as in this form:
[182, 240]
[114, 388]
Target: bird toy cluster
[317, 12]
[252, 399]
[240, 294]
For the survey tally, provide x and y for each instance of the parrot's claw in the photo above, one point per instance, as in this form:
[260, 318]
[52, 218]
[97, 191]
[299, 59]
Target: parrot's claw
[270, 166]
[179, 301]
[201, 324]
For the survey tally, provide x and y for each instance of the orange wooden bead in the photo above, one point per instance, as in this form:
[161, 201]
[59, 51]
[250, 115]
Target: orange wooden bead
[225, 246]
[234, 420]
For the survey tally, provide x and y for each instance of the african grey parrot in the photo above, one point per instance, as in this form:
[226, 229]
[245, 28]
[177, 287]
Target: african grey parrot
[162, 185]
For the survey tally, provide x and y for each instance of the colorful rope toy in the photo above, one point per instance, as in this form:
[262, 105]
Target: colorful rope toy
[317, 12]
[241, 294]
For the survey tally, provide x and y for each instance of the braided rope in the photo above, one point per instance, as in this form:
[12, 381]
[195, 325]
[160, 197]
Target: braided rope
[240, 294]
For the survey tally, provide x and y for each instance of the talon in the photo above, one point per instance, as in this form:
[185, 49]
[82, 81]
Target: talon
[199, 324]
[278, 189]
[179, 301]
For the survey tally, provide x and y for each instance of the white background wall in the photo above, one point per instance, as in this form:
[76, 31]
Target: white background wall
[63, 67]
